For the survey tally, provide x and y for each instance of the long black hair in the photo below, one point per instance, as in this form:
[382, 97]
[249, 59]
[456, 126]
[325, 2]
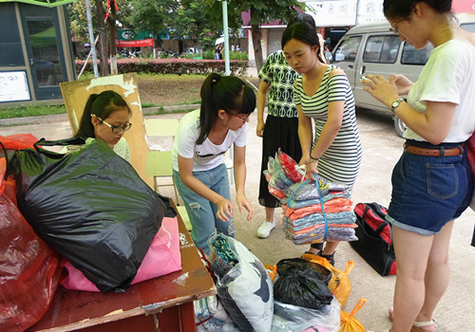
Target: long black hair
[402, 9]
[228, 93]
[303, 17]
[101, 105]
[305, 33]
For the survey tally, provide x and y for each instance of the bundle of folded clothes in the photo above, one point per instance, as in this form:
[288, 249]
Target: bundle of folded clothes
[314, 211]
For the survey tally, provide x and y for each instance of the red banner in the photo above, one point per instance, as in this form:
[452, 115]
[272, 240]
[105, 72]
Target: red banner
[134, 43]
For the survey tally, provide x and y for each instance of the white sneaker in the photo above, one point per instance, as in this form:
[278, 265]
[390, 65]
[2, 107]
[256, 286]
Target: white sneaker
[264, 229]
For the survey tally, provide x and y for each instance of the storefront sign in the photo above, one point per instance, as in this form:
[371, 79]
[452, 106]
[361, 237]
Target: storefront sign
[134, 43]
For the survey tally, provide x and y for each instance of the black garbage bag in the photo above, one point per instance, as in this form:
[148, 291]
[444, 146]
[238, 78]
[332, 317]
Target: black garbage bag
[302, 285]
[92, 207]
[290, 263]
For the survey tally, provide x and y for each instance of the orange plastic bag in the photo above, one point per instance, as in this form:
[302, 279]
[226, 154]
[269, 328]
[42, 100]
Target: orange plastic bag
[339, 284]
[271, 270]
[349, 323]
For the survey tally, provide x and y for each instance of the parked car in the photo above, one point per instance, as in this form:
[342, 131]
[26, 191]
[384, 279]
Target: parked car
[373, 49]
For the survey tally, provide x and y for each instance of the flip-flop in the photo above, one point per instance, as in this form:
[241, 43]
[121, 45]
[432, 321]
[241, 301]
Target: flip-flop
[417, 326]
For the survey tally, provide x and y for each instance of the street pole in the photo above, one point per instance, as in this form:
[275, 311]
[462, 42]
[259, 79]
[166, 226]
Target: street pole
[91, 38]
[357, 11]
[227, 69]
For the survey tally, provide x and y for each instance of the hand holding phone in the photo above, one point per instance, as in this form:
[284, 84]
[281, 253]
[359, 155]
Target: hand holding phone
[364, 79]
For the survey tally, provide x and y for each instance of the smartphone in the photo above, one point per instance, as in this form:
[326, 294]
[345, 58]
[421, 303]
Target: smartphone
[365, 79]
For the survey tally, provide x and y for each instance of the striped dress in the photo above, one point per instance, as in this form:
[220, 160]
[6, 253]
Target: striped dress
[341, 160]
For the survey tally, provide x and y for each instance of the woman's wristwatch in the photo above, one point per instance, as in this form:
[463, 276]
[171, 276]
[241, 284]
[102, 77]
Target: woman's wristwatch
[395, 104]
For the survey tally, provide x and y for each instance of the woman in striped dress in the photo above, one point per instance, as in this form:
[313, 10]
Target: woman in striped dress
[323, 94]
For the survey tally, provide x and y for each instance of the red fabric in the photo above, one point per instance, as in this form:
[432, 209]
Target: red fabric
[18, 141]
[289, 166]
[163, 257]
[29, 268]
[374, 221]
[276, 193]
[470, 146]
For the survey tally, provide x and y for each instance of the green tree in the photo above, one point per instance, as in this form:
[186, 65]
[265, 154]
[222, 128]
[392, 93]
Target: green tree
[152, 15]
[104, 30]
[78, 21]
[192, 22]
[262, 11]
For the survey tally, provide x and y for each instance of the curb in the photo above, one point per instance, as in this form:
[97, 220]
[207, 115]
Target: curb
[41, 119]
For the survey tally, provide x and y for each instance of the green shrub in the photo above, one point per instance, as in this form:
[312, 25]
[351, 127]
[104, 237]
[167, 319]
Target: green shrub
[209, 54]
[173, 66]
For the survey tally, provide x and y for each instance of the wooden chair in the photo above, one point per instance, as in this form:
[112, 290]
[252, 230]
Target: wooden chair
[159, 161]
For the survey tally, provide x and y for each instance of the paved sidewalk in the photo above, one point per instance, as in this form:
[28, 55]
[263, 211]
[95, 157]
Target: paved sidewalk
[382, 148]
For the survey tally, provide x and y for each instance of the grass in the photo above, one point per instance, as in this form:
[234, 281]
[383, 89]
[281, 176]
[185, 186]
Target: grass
[177, 90]
[181, 80]
[19, 112]
[29, 111]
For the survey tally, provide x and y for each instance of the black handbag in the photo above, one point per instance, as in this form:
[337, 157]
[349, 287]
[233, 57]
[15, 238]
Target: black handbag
[374, 234]
[92, 207]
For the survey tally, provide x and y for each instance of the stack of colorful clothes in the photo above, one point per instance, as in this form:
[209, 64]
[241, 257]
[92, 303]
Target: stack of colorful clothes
[314, 211]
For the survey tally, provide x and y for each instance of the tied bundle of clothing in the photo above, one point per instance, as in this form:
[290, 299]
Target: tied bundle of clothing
[314, 211]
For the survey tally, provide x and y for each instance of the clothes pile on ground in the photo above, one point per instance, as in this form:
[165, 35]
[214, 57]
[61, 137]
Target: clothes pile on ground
[248, 300]
[314, 211]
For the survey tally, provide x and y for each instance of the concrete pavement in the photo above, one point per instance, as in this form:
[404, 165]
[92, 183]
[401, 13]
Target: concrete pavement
[382, 148]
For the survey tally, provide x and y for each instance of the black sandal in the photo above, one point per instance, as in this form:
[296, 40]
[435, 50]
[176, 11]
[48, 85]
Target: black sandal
[329, 258]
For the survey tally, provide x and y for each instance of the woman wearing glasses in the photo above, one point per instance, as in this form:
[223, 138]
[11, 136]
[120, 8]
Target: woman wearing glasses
[202, 138]
[106, 117]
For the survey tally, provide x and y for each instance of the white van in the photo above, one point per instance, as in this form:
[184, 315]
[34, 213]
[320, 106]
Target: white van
[373, 49]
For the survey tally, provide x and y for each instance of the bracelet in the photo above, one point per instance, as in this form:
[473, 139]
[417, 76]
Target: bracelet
[316, 159]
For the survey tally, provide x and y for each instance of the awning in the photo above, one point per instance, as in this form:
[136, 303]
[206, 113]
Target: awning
[44, 3]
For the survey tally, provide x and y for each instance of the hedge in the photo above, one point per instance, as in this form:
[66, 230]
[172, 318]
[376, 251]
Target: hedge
[172, 66]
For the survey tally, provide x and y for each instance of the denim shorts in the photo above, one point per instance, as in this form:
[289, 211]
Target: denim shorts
[428, 192]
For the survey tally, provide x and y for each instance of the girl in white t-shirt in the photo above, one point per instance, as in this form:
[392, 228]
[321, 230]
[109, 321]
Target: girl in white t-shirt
[432, 181]
[199, 171]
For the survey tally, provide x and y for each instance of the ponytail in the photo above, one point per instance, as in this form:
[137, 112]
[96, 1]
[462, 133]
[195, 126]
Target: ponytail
[227, 93]
[86, 129]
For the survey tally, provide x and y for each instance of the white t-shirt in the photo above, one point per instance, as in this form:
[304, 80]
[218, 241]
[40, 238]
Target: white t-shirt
[205, 156]
[448, 76]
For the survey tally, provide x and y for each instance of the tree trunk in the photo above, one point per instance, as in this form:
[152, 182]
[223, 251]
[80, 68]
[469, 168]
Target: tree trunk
[256, 40]
[112, 38]
[102, 43]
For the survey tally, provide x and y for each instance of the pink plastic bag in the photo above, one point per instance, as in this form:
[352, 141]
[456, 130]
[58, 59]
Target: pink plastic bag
[163, 257]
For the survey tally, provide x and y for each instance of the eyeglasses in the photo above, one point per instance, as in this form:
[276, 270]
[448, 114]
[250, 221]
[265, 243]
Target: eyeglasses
[115, 129]
[244, 118]
[394, 29]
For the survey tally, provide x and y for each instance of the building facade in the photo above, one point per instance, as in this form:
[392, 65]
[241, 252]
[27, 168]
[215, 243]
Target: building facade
[35, 53]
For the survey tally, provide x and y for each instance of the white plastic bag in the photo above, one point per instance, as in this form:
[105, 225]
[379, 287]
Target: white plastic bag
[288, 317]
[245, 291]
